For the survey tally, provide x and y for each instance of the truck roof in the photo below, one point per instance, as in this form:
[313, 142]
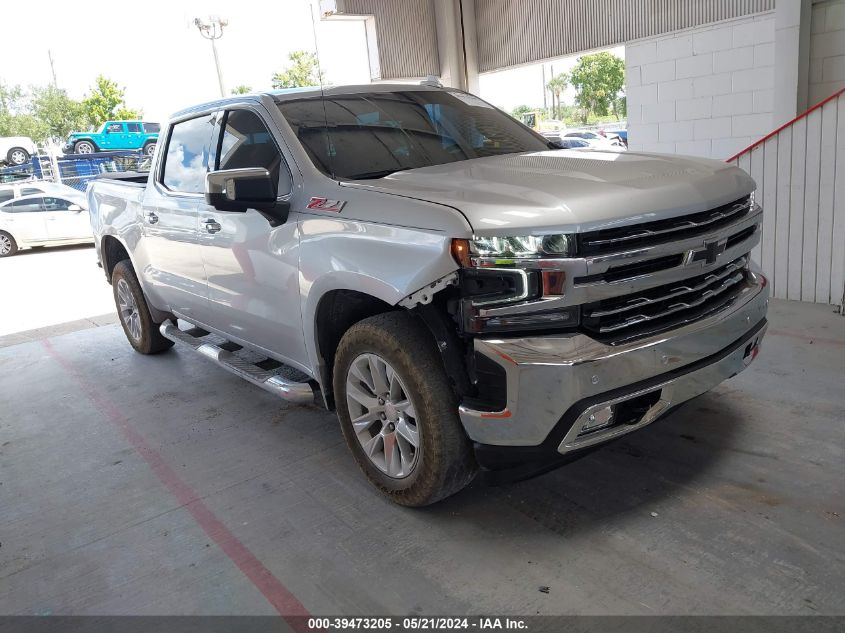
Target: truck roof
[288, 94]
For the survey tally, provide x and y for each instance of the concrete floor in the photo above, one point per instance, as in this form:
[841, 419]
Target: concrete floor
[50, 286]
[163, 485]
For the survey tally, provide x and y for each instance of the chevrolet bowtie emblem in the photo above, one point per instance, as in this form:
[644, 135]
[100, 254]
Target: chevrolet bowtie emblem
[709, 254]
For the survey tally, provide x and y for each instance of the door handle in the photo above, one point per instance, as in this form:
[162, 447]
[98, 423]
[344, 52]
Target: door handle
[212, 227]
[152, 218]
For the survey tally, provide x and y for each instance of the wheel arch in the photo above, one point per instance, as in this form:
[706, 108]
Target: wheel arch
[15, 240]
[11, 149]
[112, 251]
[336, 311]
[88, 139]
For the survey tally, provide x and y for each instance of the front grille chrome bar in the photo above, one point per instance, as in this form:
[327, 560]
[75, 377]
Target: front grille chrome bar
[695, 222]
[639, 302]
[705, 296]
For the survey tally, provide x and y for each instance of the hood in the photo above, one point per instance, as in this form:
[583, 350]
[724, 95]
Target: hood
[569, 190]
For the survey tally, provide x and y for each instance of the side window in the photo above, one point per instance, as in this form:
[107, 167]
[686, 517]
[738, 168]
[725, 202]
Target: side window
[151, 128]
[28, 205]
[115, 128]
[56, 204]
[186, 161]
[31, 191]
[246, 142]
[6, 195]
[133, 128]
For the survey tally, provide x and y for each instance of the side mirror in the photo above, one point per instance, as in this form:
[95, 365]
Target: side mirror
[74, 207]
[243, 189]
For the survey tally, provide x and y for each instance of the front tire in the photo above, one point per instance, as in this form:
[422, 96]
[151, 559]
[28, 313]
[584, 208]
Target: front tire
[398, 412]
[138, 325]
[8, 246]
[149, 149]
[17, 156]
[84, 147]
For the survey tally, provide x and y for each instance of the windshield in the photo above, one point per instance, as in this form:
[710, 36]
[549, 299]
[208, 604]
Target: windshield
[371, 135]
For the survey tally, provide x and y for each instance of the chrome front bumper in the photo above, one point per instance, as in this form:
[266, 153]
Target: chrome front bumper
[560, 380]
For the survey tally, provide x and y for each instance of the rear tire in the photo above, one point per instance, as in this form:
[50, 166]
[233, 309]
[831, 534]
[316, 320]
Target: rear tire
[84, 147]
[438, 460]
[138, 325]
[17, 156]
[8, 246]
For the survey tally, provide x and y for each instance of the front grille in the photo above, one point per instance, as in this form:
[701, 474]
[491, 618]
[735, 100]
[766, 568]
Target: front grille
[661, 231]
[663, 307]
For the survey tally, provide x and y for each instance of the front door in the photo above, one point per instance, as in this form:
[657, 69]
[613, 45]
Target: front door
[168, 255]
[252, 267]
[65, 219]
[114, 136]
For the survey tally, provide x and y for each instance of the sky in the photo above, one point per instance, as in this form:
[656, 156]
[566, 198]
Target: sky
[157, 54]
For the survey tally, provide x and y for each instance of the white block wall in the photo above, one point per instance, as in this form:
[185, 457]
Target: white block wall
[827, 50]
[706, 92]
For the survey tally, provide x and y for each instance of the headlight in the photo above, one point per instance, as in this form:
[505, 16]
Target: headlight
[503, 271]
[524, 246]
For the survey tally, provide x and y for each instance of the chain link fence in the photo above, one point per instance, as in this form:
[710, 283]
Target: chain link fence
[76, 170]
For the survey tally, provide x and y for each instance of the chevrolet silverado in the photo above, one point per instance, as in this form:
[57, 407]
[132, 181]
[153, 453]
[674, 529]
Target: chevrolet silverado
[465, 295]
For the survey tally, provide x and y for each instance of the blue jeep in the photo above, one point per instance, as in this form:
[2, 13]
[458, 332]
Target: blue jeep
[115, 135]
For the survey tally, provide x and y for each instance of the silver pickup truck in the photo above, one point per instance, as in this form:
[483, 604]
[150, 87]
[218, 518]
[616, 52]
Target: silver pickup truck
[465, 295]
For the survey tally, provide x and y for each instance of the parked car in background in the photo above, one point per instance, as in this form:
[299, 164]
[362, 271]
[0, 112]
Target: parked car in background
[43, 220]
[622, 135]
[31, 188]
[16, 150]
[115, 135]
[594, 139]
[572, 143]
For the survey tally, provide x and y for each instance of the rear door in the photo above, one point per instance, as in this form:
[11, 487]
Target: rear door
[168, 255]
[24, 218]
[253, 268]
[134, 136]
[65, 219]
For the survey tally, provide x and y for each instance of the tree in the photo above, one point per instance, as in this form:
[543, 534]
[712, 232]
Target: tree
[16, 116]
[302, 71]
[241, 90]
[557, 85]
[59, 114]
[519, 110]
[105, 102]
[598, 80]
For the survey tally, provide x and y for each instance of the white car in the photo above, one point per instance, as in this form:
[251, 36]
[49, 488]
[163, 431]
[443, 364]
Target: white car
[30, 188]
[594, 139]
[16, 150]
[43, 220]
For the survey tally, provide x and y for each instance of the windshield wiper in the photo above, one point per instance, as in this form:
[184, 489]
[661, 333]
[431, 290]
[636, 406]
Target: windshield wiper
[377, 174]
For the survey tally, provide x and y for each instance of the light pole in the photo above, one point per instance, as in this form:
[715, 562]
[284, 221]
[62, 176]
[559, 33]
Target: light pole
[212, 29]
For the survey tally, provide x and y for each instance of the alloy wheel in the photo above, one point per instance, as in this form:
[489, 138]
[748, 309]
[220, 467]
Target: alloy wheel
[5, 245]
[383, 416]
[18, 157]
[128, 309]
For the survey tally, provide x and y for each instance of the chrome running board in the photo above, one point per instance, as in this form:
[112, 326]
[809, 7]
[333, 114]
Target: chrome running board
[272, 379]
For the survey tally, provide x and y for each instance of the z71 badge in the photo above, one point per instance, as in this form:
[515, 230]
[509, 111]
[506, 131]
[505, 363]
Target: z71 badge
[324, 204]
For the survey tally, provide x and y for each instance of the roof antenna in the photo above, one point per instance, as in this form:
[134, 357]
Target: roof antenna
[315, 7]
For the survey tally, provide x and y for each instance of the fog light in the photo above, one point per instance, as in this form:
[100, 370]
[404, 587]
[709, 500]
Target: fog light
[598, 419]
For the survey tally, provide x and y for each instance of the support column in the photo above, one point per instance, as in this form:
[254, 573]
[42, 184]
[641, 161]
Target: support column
[792, 58]
[456, 44]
